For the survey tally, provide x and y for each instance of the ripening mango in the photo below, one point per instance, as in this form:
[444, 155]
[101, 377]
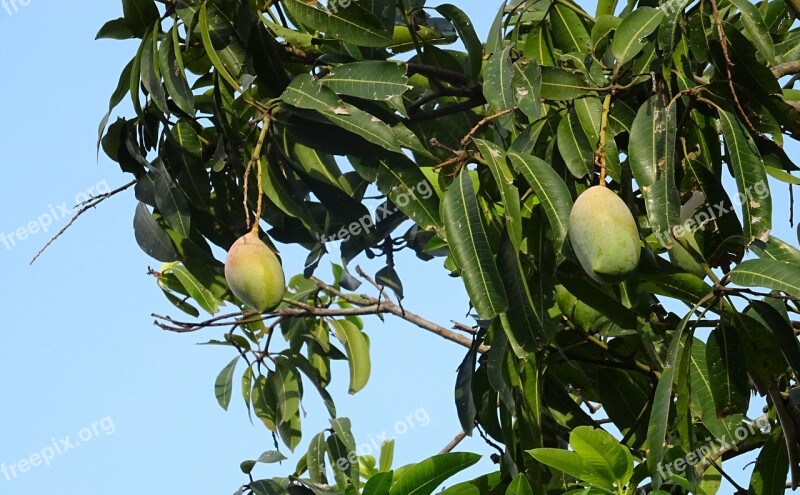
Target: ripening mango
[604, 235]
[254, 273]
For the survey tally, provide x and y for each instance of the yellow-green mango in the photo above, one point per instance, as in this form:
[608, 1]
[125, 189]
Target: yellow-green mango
[604, 235]
[254, 273]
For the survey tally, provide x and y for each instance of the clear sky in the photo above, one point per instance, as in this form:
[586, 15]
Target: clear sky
[125, 406]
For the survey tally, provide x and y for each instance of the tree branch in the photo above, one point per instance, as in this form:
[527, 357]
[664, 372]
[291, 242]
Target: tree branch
[85, 206]
[453, 443]
[365, 305]
[786, 68]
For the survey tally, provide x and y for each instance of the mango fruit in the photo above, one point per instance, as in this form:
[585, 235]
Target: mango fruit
[604, 235]
[254, 274]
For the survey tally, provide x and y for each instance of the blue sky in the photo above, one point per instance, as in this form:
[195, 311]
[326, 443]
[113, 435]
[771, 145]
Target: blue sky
[85, 373]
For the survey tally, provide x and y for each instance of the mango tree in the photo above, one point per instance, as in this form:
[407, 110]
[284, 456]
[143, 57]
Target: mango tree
[608, 368]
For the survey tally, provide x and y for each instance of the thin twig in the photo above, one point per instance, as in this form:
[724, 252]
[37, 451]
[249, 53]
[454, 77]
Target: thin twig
[483, 122]
[729, 66]
[84, 206]
[453, 443]
[600, 154]
[255, 158]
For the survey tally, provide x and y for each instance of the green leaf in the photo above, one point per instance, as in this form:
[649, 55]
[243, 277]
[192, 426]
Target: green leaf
[315, 458]
[340, 458]
[578, 154]
[212, 52]
[748, 168]
[782, 329]
[569, 463]
[351, 24]
[659, 416]
[387, 456]
[772, 467]
[345, 440]
[288, 389]
[602, 454]
[150, 71]
[115, 29]
[756, 29]
[527, 84]
[538, 45]
[632, 30]
[223, 386]
[403, 182]
[307, 92]
[357, 348]
[702, 393]
[291, 431]
[139, 15]
[371, 80]
[523, 322]
[560, 84]
[495, 157]
[424, 477]
[199, 293]
[247, 390]
[519, 486]
[624, 397]
[727, 371]
[263, 395]
[673, 13]
[179, 303]
[497, 83]
[465, 403]
[551, 191]
[171, 202]
[379, 484]
[151, 237]
[271, 457]
[569, 33]
[652, 158]
[469, 38]
[774, 275]
[469, 244]
[171, 63]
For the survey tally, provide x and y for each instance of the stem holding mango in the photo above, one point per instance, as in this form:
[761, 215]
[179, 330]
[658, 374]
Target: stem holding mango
[255, 158]
[600, 154]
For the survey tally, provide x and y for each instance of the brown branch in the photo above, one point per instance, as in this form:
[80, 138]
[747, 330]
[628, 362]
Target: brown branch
[794, 6]
[456, 92]
[453, 443]
[483, 122]
[365, 305]
[84, 207]
[723, 40]
[445, 110]
[786, 68]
